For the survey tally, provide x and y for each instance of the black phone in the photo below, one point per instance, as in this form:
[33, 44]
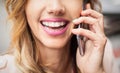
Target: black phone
[80, 39]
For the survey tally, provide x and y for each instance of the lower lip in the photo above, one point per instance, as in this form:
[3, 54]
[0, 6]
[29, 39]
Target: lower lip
[55, 32]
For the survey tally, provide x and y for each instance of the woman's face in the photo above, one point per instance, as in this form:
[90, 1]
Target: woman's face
[51, 20]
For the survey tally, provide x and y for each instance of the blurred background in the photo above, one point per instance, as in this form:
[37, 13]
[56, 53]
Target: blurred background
[111, 11]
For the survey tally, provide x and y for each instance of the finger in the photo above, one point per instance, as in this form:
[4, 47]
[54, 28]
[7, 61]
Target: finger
[88, 6]
[92, 22]
[93, 13]
[88, 20]
[86, 33]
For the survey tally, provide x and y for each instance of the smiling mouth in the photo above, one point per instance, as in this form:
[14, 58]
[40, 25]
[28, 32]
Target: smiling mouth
[54, 26]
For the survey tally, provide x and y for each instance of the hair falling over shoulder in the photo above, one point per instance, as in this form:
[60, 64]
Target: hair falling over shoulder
[26, 52]
[25, 55]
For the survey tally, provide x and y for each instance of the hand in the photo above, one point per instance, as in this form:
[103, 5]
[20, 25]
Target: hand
[91, 62]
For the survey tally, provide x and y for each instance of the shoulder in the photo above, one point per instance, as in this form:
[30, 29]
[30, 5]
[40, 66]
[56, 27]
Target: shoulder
[108, 60]
[7, 64]
[3, 62]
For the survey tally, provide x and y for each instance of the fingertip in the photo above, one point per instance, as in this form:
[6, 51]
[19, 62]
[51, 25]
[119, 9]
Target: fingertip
[74, 31]
[82, 12]
[88, 6]
[74, 21]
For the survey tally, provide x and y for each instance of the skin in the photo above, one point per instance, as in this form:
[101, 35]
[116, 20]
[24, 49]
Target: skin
[52, 54]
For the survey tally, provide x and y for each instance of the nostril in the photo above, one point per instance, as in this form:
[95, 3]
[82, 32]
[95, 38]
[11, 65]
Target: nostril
[56, 9]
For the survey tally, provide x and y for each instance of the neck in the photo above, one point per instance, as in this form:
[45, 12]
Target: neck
[57, 60]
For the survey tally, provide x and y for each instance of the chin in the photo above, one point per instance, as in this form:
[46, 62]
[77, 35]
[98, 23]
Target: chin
[56, 44]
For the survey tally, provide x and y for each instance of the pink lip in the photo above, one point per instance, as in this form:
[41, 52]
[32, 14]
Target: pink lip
[55, 32]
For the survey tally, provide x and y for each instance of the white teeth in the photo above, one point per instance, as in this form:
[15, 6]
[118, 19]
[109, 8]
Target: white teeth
[53, 24]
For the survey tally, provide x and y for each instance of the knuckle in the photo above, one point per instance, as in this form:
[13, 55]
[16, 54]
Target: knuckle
[103, 38]
[101, 15]
[95, 22]
[91, 11]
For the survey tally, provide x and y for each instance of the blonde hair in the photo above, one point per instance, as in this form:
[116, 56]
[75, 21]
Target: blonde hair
[25, 54]
[23, 42]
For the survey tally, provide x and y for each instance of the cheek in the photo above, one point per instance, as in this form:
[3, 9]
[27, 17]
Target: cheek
[74, 9]
[32, 21]
[76, 12]
[34, 9]
[33, 12]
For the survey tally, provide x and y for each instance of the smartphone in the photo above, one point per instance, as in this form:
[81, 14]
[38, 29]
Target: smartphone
[80, 39]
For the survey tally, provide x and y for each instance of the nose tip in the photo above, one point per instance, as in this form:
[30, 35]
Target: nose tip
[56, 8]
[56, 11]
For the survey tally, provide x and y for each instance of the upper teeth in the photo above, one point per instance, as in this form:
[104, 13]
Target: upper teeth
[53, 24]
